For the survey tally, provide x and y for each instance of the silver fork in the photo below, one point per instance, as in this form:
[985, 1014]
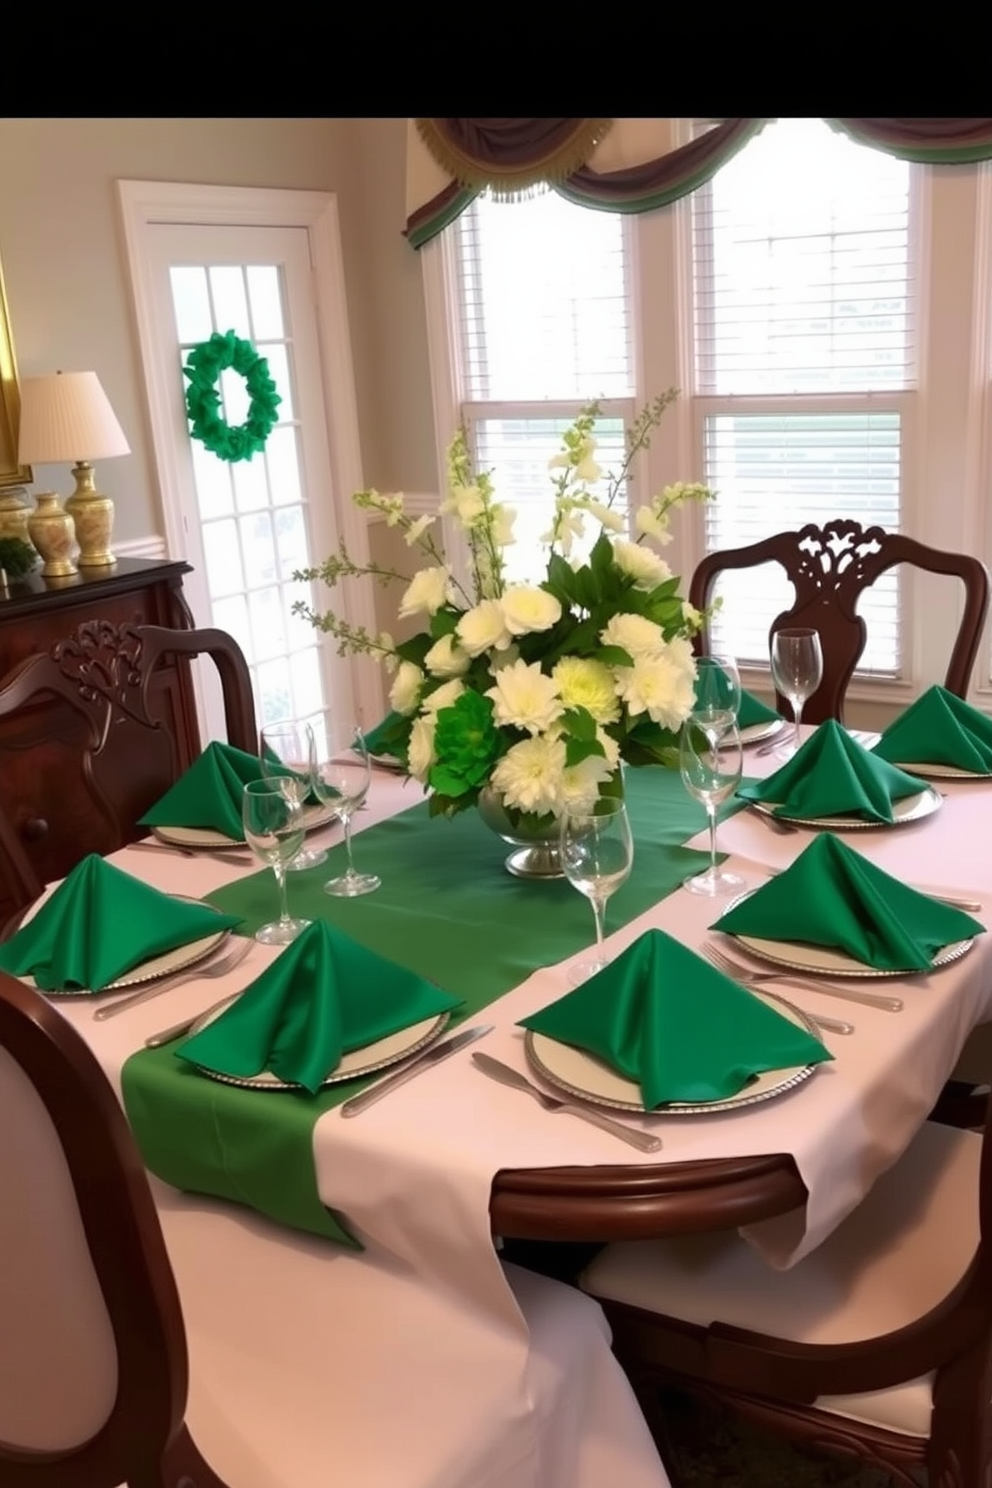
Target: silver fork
[826, 1025]
[507, 1075]
[200, 972]
[753, 978]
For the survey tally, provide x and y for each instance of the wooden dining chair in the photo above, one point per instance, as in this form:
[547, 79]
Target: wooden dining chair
[877, 1345]
[94, 731]
[829, 568]
[159, 1340]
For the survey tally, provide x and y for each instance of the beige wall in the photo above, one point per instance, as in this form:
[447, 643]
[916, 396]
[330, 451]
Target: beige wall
[66, 276]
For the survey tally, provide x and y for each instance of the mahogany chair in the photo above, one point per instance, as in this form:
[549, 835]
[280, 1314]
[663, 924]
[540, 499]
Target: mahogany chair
[93, 732]
[829, 568]
[878, 1345]
[159, 1340]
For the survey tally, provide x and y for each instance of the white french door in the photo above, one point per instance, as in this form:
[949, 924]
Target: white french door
[247, 526]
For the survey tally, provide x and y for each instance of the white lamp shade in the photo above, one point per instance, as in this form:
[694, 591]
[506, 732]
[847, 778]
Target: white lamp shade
[67, 416]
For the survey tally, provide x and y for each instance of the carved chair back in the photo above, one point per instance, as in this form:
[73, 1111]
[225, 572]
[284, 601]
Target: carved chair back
[94, 731]
[829, 568]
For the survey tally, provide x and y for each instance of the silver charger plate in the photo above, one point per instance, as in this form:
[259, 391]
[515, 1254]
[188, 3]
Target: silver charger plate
[830, 961]
[178, 959]
[388, 762]
[914, 808]
[366, 1061]
[584, 1077]
[206, 839]
[944, 772]
[755, 732]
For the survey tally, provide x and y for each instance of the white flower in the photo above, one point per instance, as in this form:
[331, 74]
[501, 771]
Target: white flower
[527, 609]
[691, 616]
[503, 520]
[405, 691]
[387, 650]
[529, 776]
[634, 634]
[427, 590]
[644, 567]
[588, 684]
[416, 530]
[659, 685]
[525, 698]
[446, 658]
[580, 783]
[567, 526]
[444, 696]
[483, 628]
[611, 520]
[648, 521]
[467, 503]
[588, 471]
[420, 751]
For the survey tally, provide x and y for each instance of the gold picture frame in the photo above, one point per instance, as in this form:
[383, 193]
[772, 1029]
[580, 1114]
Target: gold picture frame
[11, 474]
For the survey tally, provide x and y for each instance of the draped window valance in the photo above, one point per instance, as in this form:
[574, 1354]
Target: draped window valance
[621, 165]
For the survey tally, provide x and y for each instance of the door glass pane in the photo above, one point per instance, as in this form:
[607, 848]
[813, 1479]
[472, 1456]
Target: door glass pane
[230, 297]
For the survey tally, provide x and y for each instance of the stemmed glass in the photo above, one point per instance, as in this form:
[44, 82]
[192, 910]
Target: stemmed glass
[273, 825]
[341, 781]
[285, 747]
[718, 692]
[797, 671]
[597, 853]
[711, 772]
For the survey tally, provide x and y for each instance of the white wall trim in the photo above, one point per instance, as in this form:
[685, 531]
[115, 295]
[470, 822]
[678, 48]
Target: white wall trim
[142, 547]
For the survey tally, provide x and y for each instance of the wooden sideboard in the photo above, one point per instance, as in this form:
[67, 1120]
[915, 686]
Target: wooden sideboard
[40, 793]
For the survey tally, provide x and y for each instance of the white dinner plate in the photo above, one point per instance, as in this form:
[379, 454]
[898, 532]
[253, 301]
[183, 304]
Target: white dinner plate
[944, 772]
[755, 732]
[206, 839]
[829, 961]
[178, 959]
[912, 808]
[377, 1056]
[579, 1074]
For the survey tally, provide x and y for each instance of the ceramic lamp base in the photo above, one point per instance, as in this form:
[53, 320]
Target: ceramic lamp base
[94, 519]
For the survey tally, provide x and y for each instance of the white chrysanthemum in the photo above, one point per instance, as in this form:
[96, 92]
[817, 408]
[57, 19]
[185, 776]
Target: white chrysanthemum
[427, 590]
[420, 752]
[644, 567]
[525, 698]
[416, 530]
[527, 609]
[587, 684]
[611, 520]
[580, 783]
[529, 776]
[483, 628]
[446, 658]
[405, 691]
[635, 634]
[661, 686]
[444, 696]
[648, 521]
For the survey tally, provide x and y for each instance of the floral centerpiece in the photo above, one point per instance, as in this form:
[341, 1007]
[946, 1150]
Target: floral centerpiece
[534, 692]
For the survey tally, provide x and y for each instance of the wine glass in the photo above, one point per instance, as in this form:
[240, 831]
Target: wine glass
[797, 671]
[273, 823]
[718, 692]
[597, 852]
[711, 772]
[341, 780]
[285, 754]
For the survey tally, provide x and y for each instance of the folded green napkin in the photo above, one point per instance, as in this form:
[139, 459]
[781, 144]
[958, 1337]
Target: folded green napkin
[325, 995]
[940, 729]
[832, 896]
[388, 737]
[664, 1017]
[753, 711]
[209, 794]
[832, 775]
[98, 924]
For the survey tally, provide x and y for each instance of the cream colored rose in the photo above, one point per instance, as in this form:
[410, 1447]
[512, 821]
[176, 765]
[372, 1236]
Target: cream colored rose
[587, 684]
[635, 634]
[405, 691]
[427, 590]
[446, 658]
[483, 628]
[641, 564]
[420, 752]
[444, 696]
[525, 698]
[527, 609]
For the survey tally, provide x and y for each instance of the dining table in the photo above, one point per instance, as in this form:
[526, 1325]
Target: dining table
[436, 1176]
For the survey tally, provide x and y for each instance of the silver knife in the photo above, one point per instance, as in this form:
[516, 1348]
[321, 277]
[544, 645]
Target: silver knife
[433, 1055]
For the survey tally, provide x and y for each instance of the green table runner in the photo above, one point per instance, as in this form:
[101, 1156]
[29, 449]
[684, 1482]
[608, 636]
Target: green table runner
[448, 910]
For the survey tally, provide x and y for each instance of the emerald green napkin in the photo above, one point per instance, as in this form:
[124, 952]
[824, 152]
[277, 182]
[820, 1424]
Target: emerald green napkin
[753, 711]
[832, 896]
[388, 737]
[99, 923]
[662, 1016]
[325, 995]
[832, 775]
[209, 793]
[940, 729]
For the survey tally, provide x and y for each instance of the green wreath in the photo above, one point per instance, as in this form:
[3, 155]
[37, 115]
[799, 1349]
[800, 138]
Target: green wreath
[203, 367]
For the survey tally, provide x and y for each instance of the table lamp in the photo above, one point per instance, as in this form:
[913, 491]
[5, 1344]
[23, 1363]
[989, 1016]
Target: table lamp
[67, 416]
